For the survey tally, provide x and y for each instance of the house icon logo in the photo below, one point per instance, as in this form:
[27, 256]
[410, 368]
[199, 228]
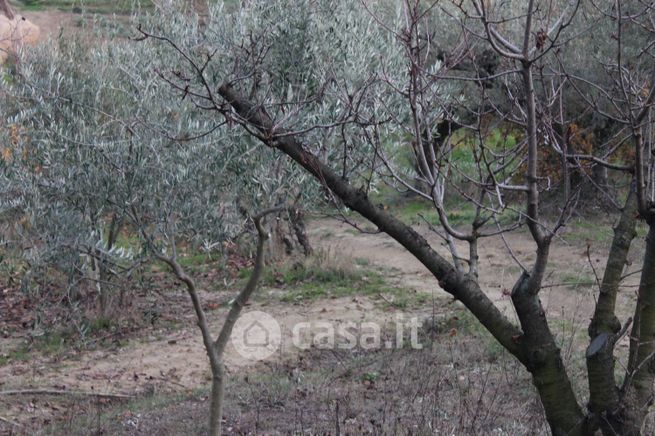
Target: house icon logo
[256, 335]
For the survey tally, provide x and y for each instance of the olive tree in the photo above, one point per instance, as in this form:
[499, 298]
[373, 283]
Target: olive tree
[97, 148]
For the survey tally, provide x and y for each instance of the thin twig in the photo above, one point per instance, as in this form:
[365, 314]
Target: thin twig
[61, 392]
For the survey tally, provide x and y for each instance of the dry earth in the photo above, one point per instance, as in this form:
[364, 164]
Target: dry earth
[175, 361]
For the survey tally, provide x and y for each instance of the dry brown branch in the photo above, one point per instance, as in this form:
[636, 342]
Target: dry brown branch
[63, 392]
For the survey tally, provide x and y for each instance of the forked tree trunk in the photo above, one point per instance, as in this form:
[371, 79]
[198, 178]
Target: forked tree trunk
[215, 348]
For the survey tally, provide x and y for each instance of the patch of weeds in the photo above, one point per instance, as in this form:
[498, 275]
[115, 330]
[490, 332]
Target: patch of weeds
[99, 324]
[315, 283]
[194, 260]
[399, 300]
[422, 298]
[414, 211]
[370, 376]
[463, 323]
[88, 334]
[52, 343]
[458, 322]
[493, 351]
[103, 331]
[326, 276]
[360, 261]
[460, 213]
[32, 5]
[101, 416]
[586, 231]
[20, 354]
[270, 389]
[565, 331]
[463, 214]
[580, 279]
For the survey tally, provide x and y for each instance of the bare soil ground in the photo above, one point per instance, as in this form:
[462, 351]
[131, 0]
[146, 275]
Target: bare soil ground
[52, 21]
[172, 360]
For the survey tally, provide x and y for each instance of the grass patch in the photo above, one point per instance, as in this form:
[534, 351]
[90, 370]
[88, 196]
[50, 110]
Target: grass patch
[460, 213]
[20, 354]
[49, 344]
[586, 230]
[88, 6]
[327, 276]
[58, 342]
[315, 279]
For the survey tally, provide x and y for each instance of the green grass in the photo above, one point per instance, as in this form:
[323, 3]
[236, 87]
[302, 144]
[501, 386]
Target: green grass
[50, 344]
[321, 284]
[21, 354]
[582, 279]
[310, 281]
[324, 276]
[57, 342]
[587, 230]
[27, 5]
[460, 213]
[88, 6]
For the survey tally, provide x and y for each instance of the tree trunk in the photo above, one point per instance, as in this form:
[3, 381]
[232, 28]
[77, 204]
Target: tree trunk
[638, 385]
[605, 326]
[544, 362]
[216, 348]
[297, 219]
[217, 396]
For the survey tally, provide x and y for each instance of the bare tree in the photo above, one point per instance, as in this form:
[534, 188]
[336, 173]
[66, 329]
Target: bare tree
[215, 347]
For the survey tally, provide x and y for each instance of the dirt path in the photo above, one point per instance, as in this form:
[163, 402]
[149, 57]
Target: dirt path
[569, 264]
[177, 361]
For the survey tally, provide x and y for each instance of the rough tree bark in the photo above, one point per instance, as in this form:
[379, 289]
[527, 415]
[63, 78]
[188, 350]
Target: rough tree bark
[605, 327]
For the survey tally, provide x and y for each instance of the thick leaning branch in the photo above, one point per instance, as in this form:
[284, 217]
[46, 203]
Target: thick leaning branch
[462, 286]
